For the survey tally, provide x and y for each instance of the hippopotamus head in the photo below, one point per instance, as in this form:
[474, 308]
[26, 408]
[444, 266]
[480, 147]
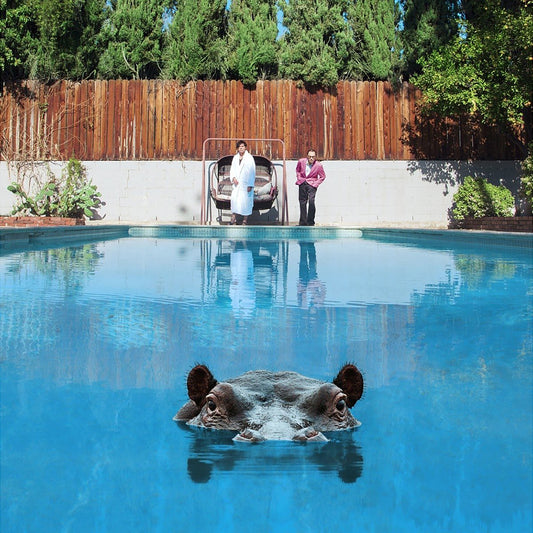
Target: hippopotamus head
[263, 405]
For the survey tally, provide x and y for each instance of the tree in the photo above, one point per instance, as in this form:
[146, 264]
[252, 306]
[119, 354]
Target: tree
[252, 40]
[318, 43]
[18, 35]
[486, 71]
[195, 46]
[427, 26]
[374, 24]
[132, 39]
[65, 43]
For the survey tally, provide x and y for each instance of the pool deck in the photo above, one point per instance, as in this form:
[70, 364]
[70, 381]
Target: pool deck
[19, 237]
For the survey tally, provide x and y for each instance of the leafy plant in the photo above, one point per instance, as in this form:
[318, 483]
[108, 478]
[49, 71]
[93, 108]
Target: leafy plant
[72, 195]
[526, 184]
[42, 204]
[477, 198]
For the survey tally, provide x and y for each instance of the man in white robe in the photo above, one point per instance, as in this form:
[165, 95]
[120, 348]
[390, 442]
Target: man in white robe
[242, 175]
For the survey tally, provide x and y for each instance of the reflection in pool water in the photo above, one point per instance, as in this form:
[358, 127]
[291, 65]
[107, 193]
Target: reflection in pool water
[212, 451]
[96, 341]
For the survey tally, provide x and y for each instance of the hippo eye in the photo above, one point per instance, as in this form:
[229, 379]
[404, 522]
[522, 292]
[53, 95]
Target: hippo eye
[341, 405]
[211, 405]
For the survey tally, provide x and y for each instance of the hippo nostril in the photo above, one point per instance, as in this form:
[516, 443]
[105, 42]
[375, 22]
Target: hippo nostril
[309, 434]
[249, 435]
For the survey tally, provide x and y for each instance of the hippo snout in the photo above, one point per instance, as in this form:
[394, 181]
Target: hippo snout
[301, 435]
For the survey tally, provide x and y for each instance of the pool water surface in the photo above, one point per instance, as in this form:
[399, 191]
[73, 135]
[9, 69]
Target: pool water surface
[96, 340]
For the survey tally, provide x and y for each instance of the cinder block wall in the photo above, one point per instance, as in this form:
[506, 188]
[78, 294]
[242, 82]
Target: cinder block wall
[355, 193]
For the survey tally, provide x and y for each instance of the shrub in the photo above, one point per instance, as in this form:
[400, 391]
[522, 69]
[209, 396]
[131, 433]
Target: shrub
[71, 195]
[477, 198]
[526, 184]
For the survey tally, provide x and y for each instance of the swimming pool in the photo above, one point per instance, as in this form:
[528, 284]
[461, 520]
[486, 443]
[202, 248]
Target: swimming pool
[96, 340]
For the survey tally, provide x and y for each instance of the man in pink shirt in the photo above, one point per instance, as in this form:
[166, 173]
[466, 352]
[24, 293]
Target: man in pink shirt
[309, 175]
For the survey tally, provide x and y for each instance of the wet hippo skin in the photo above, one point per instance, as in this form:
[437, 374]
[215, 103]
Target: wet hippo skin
[263, 405]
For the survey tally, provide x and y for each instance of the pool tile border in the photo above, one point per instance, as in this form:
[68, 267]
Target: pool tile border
[240, 232]
[21, 236]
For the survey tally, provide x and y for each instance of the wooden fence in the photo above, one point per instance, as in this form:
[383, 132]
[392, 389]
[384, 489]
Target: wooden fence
[154, 119]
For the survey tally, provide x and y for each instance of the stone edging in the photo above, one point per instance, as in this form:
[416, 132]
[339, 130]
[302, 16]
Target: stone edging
[32, 221]
[518, 224]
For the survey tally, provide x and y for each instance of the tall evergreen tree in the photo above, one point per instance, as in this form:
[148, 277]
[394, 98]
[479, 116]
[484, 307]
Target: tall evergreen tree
[252, 40]
[50, 39]
[318, 43]
[195, 45]
[427, 26]
[374, 23]
[132, 37]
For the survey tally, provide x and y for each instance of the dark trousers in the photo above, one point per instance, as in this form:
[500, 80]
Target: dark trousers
[306, 194]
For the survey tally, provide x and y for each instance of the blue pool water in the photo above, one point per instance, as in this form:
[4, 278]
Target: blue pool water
[96, 340]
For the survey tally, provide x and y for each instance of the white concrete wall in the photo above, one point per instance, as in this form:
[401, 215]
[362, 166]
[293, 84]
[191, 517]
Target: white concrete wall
[355, 193]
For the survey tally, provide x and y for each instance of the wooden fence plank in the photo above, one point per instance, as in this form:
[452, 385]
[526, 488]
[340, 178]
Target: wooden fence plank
[385, 89]
[211, 103]
[254, 106]
[97, 121]
[246, 111]
[271, 111]
[344, 119]
[118, 119]
[171, 119]
[88, 110]
[404, 113]
[239, 97]
[286, 111]
[358, 94]
[165, 119]
[199, 122]
[393, 124]
[109, 117]
[157, 122]
[126, 129]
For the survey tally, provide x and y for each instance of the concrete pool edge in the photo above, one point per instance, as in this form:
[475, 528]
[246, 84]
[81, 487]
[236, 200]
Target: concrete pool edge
[20, 236]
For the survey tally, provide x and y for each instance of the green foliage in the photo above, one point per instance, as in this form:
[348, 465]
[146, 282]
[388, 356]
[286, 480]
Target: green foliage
[77, 195]
[526, 185]
[132, 39]
[44, 203]
[318, 41]
[18, 34]
[479, 64]
[252, 40]
[486, 71]
[477, 198]
[66, 42]
[374, 25]
[427, 26]
[72, 195]
[195, 42]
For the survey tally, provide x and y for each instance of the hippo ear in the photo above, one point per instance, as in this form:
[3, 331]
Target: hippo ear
[350, 380]
[199, 382]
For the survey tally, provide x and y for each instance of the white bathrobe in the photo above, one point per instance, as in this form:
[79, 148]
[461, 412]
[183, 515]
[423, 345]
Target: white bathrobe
[242, 288]
[242, 201]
